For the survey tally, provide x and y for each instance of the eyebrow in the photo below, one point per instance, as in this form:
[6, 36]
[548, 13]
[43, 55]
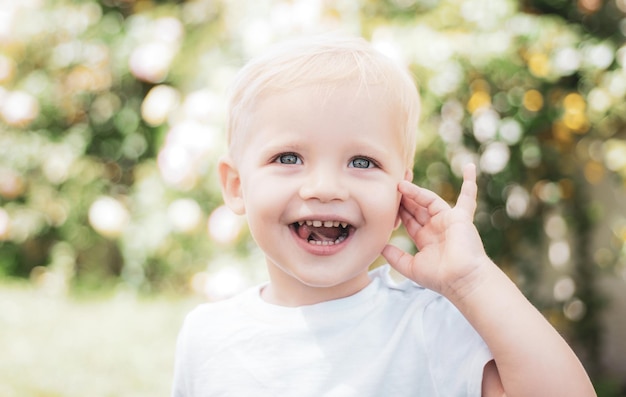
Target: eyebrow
[369, 147]
[278, 145]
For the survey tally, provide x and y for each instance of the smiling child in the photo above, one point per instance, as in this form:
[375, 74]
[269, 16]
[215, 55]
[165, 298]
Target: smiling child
[322, 138]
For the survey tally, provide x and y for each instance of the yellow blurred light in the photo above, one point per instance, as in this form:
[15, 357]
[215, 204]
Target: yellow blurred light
[574, 116]
[158, 104]
[576, 121]
[478, 100]
[533, 100]
[594, 172]
[574, 102]
[561, 132]
[479, 85]
[539, 64]
[83, 78]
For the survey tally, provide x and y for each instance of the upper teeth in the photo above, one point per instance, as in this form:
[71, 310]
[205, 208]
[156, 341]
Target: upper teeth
[323, 223]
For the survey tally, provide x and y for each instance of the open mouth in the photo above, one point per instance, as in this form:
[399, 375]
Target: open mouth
[322, 232]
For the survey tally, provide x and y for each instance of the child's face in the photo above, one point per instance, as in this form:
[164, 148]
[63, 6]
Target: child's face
[317, 178]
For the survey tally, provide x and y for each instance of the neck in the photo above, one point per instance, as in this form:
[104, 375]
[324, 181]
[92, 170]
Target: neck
[284, 290]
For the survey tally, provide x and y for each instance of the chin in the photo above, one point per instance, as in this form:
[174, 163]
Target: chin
[333, 281]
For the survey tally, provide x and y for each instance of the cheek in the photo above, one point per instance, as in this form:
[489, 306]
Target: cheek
[264, 198]
[383, 204]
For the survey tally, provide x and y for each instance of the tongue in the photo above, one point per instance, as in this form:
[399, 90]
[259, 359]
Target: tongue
[319, 233]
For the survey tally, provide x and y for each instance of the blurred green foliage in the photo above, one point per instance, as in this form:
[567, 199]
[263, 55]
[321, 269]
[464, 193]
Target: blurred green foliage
[111, 115]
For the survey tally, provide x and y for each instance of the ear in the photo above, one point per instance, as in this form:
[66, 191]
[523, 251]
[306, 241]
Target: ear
[408, 176]
[230, 183]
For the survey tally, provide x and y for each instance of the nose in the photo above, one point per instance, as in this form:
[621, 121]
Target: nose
[324, 184]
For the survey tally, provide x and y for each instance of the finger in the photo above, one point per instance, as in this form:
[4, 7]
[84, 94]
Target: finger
[469, 190]
[415, 197]
[414, 210]
[399, 260]
[411, 223]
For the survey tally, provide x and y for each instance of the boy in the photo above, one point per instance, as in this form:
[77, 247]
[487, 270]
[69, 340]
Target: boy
[321, 144]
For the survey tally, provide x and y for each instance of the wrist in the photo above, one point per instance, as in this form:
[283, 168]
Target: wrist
[463, 291]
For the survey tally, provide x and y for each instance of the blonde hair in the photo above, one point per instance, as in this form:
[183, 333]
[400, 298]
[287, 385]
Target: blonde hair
[328, 61]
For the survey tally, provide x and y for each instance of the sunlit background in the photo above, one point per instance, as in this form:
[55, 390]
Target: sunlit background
[111, 118]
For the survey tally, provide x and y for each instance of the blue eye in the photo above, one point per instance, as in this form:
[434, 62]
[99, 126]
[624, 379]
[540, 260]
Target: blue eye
[361, 162]
[288, 158]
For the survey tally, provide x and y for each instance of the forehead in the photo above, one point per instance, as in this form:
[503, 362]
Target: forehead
[324, 61]
[340, 97]
[323, 116]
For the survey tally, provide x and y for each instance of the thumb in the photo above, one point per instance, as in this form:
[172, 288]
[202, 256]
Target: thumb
[467, 198]
[399, 260]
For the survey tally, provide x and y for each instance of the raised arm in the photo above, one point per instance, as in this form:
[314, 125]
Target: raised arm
[531, 358]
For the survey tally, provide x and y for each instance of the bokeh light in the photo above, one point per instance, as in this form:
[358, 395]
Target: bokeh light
[224, 225]
[185, 215]
[159, 103]
[108, 216]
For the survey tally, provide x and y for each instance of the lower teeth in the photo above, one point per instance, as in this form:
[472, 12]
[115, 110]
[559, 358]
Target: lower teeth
[317, 242]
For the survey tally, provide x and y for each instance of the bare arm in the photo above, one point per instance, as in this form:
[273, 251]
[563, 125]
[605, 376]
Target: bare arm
[531, 358]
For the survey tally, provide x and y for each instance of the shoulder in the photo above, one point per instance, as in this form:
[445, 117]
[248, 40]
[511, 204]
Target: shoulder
[400, 289]
[208, 310]
[421, 309]
[433, 311]
[214, 318]
[450, 343]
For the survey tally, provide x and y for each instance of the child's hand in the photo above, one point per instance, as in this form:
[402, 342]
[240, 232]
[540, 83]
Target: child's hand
[452, 261]
[451, 256]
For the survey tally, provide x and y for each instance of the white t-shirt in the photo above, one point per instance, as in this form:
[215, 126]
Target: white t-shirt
[386, 340]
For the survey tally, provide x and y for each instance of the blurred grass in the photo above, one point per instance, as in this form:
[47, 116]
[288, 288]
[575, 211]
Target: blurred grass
[105, 346]
[52, 346]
